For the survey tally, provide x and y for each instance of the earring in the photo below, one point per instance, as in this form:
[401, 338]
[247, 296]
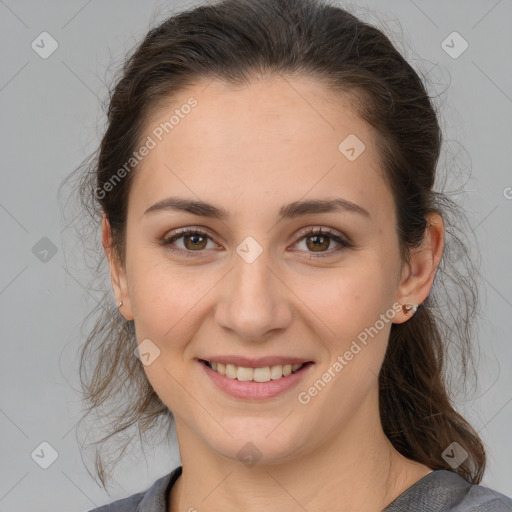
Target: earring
[407, 308]
[120, 304]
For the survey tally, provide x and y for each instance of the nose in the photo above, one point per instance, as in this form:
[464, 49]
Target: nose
[255, 302]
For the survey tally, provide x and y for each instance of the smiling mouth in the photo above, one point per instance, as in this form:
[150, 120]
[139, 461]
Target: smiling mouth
[262, 374]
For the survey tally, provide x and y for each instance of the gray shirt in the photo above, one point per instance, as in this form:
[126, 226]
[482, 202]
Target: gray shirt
[439, 491]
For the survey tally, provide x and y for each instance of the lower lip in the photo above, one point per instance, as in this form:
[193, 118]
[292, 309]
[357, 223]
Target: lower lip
[251, 390]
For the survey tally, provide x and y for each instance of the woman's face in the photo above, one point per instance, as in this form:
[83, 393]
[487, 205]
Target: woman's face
[257, 287]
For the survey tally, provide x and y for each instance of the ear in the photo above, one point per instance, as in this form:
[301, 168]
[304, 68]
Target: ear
[418, 274]
[117, 272]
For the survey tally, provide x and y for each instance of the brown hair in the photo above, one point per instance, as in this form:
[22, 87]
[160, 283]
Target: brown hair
[233, 40]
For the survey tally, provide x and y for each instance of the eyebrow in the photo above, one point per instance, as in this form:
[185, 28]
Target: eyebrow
[289, 211]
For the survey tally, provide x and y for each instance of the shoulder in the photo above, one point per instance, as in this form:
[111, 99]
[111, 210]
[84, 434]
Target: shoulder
[483, 499]
[153, 499]
[448, 492]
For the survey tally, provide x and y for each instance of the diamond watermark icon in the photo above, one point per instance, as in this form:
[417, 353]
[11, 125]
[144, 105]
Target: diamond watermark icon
[454, 45]
[249, 250]
[44, 455]
[455, 455]
[44, 45]
[146, 352]
[351, 147]
[249, 454]
[44, 250]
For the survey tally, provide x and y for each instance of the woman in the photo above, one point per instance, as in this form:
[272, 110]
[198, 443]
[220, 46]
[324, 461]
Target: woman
[276, 248]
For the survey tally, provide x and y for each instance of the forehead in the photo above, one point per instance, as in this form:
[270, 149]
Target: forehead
[271, 141]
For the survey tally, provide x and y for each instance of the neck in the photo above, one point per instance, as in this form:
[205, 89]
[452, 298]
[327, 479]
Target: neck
[355, 470]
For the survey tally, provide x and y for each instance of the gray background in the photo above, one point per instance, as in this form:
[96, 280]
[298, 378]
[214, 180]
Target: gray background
[51, 120]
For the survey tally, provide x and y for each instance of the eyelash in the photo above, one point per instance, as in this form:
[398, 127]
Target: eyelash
[304, 234]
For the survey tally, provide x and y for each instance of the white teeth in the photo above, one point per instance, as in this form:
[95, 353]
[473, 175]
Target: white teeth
[263, 374]
[231, 371]
[276, 372]
[244, 373]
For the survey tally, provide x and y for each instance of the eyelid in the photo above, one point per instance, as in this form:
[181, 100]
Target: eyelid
[324, 231]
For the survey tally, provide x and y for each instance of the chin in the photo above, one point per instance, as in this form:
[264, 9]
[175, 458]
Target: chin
[260, 444]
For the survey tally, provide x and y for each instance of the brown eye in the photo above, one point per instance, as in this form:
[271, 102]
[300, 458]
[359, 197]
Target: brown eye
[194, 240]
[197, 241]
[317, 242]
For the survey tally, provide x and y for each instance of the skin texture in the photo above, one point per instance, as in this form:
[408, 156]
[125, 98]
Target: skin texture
[252, 150]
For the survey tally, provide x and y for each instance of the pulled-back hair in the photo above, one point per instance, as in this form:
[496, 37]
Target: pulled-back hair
[234, 41]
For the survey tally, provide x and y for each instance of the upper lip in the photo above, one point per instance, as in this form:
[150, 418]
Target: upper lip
[258, 362]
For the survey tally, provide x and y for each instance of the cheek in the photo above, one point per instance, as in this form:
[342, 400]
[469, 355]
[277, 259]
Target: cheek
[358, 310]
[161, 296]
[166, 303]
[357, 306]
[167, 300]
[351, 298]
